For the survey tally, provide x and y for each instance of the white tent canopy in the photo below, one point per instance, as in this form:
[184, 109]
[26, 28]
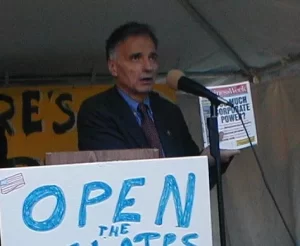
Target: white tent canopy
[204, 37]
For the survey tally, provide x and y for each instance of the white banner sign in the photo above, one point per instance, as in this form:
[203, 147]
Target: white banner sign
[145, 202]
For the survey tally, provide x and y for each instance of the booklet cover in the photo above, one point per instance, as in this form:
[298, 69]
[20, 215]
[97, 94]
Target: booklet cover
[229, 123]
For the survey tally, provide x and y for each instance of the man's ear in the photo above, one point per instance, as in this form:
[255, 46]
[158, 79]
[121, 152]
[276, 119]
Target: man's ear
[112, 67]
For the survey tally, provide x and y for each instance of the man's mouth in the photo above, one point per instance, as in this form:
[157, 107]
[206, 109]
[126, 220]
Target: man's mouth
[147, 79]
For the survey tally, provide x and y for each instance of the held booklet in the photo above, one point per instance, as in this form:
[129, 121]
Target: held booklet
[235, 137]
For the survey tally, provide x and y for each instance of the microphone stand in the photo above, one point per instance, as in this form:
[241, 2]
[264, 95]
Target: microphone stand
[212, 123]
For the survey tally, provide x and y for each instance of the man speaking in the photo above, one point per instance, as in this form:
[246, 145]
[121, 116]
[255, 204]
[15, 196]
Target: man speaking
[130, 115]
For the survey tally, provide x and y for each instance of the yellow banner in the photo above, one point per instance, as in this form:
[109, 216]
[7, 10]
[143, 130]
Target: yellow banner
[43, 119]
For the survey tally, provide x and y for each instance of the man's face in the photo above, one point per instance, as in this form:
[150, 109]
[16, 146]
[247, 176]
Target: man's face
[135, 65]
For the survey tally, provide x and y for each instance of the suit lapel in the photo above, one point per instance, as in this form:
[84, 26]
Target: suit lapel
[127, 119]
[162, 125]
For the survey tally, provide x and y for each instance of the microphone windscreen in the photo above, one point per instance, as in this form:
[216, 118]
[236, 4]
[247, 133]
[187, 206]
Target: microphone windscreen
[173, 78]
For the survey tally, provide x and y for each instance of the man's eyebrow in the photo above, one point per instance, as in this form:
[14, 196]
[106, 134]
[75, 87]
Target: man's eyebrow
[154, 53]
[136, 54]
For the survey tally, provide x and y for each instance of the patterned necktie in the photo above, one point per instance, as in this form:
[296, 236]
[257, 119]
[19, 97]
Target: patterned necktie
[149, 129]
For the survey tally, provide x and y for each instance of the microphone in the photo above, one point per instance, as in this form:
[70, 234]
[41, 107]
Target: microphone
[177, 81]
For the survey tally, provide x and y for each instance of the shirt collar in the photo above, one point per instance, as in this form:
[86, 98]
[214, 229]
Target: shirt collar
[133, 104]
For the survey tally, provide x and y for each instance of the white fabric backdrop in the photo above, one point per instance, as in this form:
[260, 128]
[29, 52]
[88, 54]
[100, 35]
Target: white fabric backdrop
[251, 216]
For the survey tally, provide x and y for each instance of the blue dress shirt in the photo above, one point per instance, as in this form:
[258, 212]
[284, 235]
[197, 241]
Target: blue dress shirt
[134, 106]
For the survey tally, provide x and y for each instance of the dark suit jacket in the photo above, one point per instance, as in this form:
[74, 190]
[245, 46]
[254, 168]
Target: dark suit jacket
[105, 121]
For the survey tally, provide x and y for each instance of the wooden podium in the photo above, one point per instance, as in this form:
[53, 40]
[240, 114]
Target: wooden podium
[58, 158]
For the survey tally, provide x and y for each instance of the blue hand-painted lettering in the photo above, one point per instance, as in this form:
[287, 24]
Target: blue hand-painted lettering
[169, 239]
[102, 229]
[86, 201]
[186, 239]
[147, 236]
[170, 186]
[126, 242]
[124, 229]
[123, 202]
[94, 243]
[114, 231]
[58, 213]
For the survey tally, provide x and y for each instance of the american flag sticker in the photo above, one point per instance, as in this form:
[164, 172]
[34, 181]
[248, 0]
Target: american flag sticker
[12, 183]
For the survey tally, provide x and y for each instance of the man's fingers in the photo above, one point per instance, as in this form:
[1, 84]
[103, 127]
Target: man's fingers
[231, 151]
[221, 135]
[226, 155]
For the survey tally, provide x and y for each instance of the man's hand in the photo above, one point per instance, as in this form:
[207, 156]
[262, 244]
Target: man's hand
[226, 155]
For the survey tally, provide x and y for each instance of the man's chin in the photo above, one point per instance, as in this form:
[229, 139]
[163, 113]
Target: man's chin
[145, 89]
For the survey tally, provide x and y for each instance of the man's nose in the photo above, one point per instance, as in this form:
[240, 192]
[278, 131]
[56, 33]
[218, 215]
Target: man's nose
[148, 64]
